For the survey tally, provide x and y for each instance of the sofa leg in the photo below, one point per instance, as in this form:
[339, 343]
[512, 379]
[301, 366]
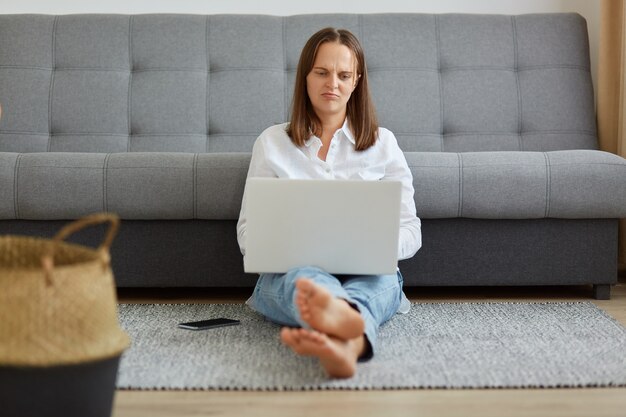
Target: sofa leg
[602, 291]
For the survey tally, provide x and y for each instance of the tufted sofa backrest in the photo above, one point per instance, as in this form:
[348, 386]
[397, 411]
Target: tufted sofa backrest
[191, 83]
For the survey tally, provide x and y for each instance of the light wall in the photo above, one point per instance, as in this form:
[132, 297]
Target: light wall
[590, 9]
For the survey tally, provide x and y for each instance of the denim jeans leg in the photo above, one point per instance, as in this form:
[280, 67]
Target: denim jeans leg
[378, 298]
[274, 294]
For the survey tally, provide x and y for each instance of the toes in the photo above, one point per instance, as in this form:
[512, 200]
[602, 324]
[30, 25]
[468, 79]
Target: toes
[285, 335]
[301, 300]
[304, 286]
[305, 311]
[313, 336]
[303, 295]
[289, 336]
[302, 282]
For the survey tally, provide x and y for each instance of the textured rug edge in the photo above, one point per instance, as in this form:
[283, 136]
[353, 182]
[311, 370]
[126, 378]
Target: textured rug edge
[324, 387]
[408, 388]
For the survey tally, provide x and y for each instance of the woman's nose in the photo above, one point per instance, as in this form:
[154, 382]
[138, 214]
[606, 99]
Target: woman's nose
[333, 81]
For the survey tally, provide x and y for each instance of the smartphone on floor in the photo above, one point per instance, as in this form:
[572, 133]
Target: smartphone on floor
[208, 324]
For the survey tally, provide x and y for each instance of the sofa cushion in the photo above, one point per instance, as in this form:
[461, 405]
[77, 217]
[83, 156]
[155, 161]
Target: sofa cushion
[47, 186]
[519, 185]
[8, 164]
[192, 83]
[481, 185]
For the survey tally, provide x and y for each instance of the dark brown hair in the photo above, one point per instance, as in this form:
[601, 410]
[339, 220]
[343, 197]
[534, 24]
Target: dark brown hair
[360, 110]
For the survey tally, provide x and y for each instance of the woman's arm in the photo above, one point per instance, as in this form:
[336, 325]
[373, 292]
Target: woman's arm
[397, 169]
[259, 167]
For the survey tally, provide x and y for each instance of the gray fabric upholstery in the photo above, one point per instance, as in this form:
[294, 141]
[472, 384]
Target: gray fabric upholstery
[154, 116]
[200, 85]
[481, 185]
[144, 186]
[188, 83]
[519, 185]
[462, 252]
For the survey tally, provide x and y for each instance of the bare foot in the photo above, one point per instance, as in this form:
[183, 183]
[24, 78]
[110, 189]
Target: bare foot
[326, 313]
[337, 357]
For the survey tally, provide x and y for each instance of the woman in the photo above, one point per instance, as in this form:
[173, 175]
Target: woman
[333, 133]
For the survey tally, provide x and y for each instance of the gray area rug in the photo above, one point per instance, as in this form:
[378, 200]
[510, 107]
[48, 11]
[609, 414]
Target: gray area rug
[438, 345]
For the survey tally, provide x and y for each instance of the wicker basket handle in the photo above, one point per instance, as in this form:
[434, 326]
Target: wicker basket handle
[47, 260]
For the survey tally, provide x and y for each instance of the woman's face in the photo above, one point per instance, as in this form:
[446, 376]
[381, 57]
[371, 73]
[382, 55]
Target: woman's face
[331, 80]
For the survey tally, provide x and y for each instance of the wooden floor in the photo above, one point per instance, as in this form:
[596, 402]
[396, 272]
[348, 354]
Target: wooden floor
[441, 403]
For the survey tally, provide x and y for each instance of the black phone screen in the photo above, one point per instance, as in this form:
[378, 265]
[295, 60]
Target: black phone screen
[208, 324]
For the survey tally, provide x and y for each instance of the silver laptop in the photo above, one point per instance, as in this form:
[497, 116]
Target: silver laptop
[341, 226]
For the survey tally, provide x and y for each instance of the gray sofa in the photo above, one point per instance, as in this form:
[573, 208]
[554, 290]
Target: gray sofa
[154, 116]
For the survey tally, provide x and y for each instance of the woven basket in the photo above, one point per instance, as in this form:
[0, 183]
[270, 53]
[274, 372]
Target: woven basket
[57, 300]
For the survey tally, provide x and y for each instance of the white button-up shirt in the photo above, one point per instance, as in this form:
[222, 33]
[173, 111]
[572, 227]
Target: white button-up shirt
[275, 155]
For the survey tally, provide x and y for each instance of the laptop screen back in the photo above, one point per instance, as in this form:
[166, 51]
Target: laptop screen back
[341, 226]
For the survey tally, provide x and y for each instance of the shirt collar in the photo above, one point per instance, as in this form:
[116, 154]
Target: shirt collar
[347, 132]
[309, 141]
[345, 129]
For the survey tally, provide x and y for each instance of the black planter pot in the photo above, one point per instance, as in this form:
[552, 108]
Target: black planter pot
[84, 390]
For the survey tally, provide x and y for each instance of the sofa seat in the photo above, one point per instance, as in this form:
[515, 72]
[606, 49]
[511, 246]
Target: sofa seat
[165, 186]
[519, 185]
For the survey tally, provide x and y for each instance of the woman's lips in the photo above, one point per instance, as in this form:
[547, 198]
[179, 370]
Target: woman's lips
[330, 96]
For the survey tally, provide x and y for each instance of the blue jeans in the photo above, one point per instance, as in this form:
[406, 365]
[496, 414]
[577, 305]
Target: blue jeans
[376, 297]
